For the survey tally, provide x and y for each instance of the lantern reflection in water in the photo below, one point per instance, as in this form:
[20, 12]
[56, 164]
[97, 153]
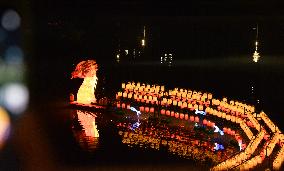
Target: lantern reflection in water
[88, 137]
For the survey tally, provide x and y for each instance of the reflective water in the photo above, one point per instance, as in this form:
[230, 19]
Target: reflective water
[163, 139]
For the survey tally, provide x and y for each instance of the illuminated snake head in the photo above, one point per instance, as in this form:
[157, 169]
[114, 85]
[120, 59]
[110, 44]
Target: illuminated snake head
[85, 69]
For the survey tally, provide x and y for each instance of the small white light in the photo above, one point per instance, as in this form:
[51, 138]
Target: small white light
[143, 42]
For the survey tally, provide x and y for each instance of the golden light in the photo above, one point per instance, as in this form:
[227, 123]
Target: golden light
[143, 42]
[256, 56]
[88, 122]
[4, 125]
[87, 70]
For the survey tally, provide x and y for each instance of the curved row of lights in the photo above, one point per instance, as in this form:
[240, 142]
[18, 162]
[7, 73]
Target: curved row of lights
[233, 111]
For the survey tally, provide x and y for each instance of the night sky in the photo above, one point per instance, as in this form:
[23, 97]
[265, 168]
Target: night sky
[193, 30]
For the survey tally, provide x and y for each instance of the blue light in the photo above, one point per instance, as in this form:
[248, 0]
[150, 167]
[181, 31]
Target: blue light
[218, 147]
[218, 130]
[135, 110]
[136, 124]
[200, 112]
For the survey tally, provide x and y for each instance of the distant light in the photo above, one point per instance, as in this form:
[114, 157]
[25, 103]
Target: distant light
[15, 97]
[14, 55]
[143, 42]
[256, 56]
[4, 126]
[165, 54]
[10, 20]
[256, 43]
[117, 56]
[126, 51]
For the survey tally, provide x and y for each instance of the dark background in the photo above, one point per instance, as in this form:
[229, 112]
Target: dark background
[212, 42]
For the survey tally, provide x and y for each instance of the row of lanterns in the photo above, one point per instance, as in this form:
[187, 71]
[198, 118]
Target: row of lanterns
[279, 159]
[251, 163]
[266, 151]
[244, 155]
[268, 122]
[141, 108]
[230, 110]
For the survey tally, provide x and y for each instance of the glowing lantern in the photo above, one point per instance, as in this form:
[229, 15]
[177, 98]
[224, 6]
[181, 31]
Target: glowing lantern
[118, 105]
[174, 102]
[123, 85]
[177, 115]
[225, 130]
[200, 107]
[163, 111]
[229, 131]
[130, 95]
[181, 116]
[147, 109]
[123, 105]
[155, 98]
[191, 118]
[184, 105]
[193, 96]
[124, 94]
[224, 115]
[196, 106]
[189, 105]
[179, 103]
[172, 113]
[204, 122]
[152, 110]
[141, 108]
[127, 106]
[87, 70]
[186, 116]
[150, 98]
[168, 113]
[162, 88]
[188, 96]
[196, 119]
[145, 97]
[228, 117]
[209, 96]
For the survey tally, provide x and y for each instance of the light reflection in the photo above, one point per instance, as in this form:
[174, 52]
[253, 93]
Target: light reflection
[186, 143]
[88, 135]
[88, 122]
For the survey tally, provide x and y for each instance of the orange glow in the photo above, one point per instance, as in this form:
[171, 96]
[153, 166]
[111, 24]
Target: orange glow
[86, 92]
[4, 125]
[87, 70]
[88, 122]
